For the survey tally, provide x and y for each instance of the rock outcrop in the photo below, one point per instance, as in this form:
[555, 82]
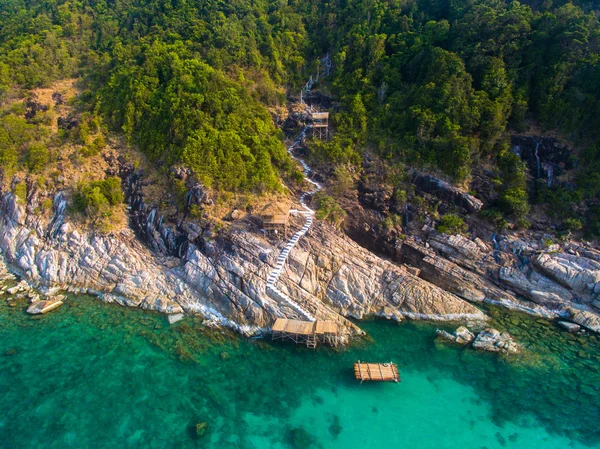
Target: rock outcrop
[44, 306]
[461, 336]
[495, 341]
[571, 327]
[574, 272]
[445, 191]
[469, 285]
[223, 278]
[554, 285]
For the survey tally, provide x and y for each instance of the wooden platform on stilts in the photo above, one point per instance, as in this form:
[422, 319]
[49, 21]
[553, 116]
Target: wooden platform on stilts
[376, 372]
[308, 332]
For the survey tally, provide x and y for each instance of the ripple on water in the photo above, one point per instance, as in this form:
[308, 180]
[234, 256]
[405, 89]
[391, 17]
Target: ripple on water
[97, 375]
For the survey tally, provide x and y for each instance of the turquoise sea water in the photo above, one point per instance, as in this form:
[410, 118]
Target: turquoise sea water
[90, 375]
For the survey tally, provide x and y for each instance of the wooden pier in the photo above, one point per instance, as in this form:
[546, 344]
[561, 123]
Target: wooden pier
[308, 332]
[376, 372]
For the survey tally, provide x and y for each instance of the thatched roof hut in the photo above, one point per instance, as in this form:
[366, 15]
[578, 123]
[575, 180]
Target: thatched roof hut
[275, 215]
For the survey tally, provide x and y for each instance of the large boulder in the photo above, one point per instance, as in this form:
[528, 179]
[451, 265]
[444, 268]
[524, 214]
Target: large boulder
[571, 327]
[44, 306]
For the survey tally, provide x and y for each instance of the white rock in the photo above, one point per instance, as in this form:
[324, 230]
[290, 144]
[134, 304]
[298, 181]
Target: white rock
[571, 327]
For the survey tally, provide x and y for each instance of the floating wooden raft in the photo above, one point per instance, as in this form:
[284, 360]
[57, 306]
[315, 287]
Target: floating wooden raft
[376, 372]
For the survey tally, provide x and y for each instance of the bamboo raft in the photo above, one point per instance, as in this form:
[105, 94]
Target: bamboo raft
[376, 372]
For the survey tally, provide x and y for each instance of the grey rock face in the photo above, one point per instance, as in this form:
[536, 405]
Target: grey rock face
[327, 274]
[469, 285]
[537, 288]
[556, 285]
[574, 272]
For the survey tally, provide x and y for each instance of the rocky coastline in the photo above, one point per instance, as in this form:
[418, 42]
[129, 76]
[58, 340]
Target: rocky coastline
[175, 264]
[220, 277]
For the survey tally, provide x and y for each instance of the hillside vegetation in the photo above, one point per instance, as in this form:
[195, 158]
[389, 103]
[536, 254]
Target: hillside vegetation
[434, 84]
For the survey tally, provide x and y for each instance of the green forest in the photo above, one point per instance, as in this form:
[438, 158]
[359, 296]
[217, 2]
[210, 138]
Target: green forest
[438, 83]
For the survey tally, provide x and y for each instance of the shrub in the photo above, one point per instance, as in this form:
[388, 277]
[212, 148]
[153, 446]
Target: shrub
[94, 148]
[452, 224]
[97, 197]
[20, 191]
[400, 197]
[513, 198]
[496, 217]
[297, 176]
[514, 202]
[344, 180]
[391, 222]
[328, 209]
[37, 157]
[572, 224]
[46, 204]
[111, 189]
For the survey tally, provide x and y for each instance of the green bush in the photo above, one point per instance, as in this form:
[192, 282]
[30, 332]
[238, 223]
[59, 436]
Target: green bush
[452, 224]
[572, 224]
[94, 148]
[328, 209]
[391, 222]
[46, 204]
[344, 181]
[496, 217]
[297, 176]
[400, 197]
[96, 198]
[37, 157]
[514, 202]
[20, 191]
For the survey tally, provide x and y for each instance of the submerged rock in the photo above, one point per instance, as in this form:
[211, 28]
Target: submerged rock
[299, 438]
[494, 341]
[174, 318]
[201, 429]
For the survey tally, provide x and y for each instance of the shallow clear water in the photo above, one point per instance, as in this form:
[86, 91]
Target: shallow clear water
[94, 375]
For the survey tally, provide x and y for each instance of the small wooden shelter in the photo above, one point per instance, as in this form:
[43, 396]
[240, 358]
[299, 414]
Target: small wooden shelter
[275, 217]
[320, 124]
[377, 372]
[309, 332]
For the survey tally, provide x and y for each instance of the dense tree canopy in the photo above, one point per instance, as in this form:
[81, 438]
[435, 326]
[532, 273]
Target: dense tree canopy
[442, 80]
[437, 83]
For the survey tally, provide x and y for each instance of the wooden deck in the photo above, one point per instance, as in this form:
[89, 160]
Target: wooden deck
[376, 372]
[309, 332]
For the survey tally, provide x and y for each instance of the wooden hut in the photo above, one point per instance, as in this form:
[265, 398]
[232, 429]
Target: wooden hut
[320, 124]
[275, 217]
[309, 332]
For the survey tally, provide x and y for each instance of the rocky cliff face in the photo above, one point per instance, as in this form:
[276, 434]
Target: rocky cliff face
[222, 277]
[515, 275]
